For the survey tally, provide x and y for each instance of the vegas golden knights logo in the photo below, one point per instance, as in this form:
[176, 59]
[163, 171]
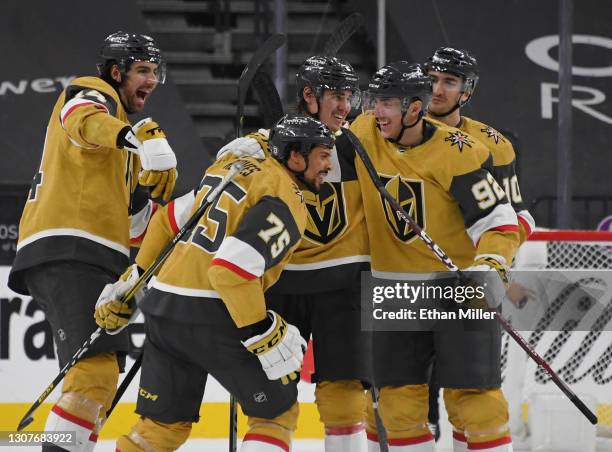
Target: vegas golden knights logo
[409, 194]
[326, 213]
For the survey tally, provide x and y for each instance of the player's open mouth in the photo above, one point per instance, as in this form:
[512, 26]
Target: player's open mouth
[142, 95]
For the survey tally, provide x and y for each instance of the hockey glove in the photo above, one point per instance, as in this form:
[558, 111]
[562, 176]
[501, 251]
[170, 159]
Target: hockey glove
[158, 161]
[111, 313]
[244, 147]
[494, 285]
[280, 349]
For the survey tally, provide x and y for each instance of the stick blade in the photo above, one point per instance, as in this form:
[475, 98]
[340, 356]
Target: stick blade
[25, 421]
[259, 57]
[342, 33]
[267, 95]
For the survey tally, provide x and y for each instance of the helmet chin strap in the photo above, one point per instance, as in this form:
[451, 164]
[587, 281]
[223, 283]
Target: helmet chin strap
[443, 115]
[302, 179]
[404, 128]
[458, 104]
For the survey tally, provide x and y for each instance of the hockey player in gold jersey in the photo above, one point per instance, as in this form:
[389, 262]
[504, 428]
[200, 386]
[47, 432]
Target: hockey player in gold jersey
[83, 209]
[454, 74]
[319, 289]
[439, 175]
[209, 296]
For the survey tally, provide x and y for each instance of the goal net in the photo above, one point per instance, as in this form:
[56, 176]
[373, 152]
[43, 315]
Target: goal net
[582, 358]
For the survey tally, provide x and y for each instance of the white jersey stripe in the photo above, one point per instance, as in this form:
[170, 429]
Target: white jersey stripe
[328, 263]
[58, 232]
[78, 102]
[501, 215]
[186, 291]
[140, 220]
[242, 255]
[182, 208]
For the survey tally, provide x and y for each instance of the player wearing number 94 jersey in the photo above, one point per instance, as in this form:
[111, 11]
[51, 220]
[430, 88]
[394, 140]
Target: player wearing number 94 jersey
[438, 174]
[454, 74]
[205, 312]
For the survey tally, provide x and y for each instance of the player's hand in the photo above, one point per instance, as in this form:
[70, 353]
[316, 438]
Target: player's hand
[494, 285]
[519, 295]
[157, 159]
[242, 147]
[155, 152]
[111, 312]
[280, 349]
[162, 182]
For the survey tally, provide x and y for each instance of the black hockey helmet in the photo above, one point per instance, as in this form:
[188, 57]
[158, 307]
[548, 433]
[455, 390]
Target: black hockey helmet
[400, 79]
[457, 62]
[123, 48]
[298, 132]
[327, 72]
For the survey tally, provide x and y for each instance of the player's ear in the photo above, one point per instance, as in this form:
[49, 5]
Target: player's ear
[415, 107]
[466, 96]
[308, 93]
[115, 73]
[310, 99]
[296, 161]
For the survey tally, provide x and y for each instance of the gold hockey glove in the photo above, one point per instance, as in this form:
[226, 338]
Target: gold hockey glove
[492, 285]
[111, 313]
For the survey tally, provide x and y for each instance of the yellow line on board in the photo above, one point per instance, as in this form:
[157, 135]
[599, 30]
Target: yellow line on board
[214, 420]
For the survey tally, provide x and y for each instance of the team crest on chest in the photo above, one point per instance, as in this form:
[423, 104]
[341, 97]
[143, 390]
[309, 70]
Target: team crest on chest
[493, 134]
[458, 138]
[409, 194]
[327, 217]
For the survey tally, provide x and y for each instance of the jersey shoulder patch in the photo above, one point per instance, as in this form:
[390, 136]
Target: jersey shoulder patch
[500, 147]
[459, 140]
[85, 93]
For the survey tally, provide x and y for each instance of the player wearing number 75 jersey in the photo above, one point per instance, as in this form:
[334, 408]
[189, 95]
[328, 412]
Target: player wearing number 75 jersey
[205, 312]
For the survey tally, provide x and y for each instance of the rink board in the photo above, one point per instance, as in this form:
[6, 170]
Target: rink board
[27, 365]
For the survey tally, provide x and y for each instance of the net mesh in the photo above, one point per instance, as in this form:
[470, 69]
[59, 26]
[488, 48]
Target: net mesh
[583, 359]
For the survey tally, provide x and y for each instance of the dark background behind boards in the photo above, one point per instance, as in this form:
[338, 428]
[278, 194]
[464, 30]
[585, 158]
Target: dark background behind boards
[511, 93]
[57, 39]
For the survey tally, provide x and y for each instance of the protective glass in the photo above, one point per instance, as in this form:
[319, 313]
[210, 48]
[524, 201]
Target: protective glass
[158, 74]
[350, 95]
[384, 105]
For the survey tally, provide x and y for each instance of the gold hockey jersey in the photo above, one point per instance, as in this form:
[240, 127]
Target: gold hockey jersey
[335, 247]
[443, 185]
[78, 204]
[236, 251]
[504, 169]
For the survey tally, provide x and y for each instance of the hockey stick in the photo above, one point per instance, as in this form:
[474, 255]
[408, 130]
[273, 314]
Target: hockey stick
[125, 383]
[140, 282]
[447, 261]
[248, 74]
[342, 33]
[267, 95]
[380, 427]
[259, 57]
[272, 107]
